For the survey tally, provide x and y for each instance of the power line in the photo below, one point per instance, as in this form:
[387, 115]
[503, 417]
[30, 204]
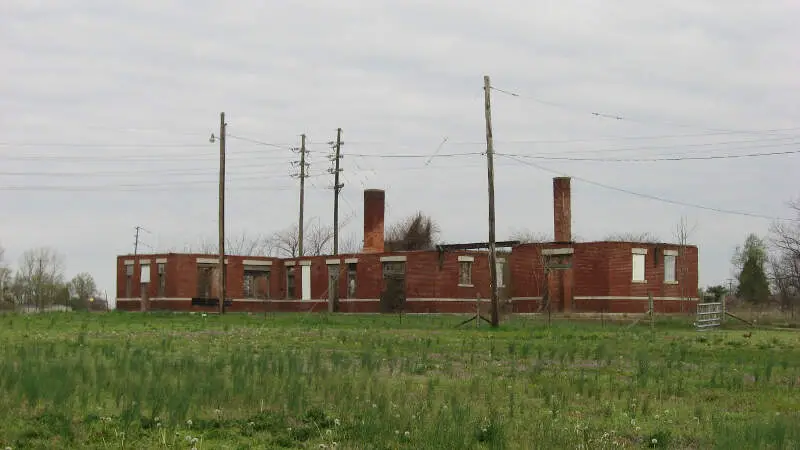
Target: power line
[259, 155]
[614, 116]
[648, 196]
[101, 145]
[763, 143]
[137, 188]
[417, 155]
[677, 158]
[258, 142]
[171, 173]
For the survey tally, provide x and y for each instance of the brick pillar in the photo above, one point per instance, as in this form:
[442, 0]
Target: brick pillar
[562, 210]
[567, 284]
[374, 202]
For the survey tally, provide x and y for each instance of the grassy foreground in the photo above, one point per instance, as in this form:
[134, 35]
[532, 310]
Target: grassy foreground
[375, 382]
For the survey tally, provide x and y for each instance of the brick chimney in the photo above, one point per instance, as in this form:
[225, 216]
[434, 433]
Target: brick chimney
[562, 210]
[374, 203]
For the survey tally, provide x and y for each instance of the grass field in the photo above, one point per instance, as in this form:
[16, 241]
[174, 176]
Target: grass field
[378, 382]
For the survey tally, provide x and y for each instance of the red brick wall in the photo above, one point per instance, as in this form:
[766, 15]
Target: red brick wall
[599, 269]
[181, 273]
[424, 276]
[603, 269]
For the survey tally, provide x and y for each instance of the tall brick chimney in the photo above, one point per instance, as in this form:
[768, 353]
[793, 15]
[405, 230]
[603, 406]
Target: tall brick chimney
[562, 210]
[374, 203]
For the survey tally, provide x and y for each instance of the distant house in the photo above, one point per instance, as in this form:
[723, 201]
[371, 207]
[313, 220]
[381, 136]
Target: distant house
[580, 277]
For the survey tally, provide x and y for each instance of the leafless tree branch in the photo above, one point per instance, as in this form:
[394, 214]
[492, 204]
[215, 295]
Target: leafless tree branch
[645, 237]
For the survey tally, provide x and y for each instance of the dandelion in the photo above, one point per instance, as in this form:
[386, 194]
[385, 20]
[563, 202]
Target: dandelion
[189, 422]
[337, 422]
[252, 424]
[374, 405]
[329, 432]
[407, 434]
[654, 441]
[657, 416]
[194, 441]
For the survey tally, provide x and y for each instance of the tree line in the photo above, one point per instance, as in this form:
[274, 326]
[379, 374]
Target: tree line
[40, 283]
[417, 231]
[766, 269]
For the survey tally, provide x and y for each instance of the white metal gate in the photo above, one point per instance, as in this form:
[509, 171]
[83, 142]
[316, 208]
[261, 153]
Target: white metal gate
[709, 315]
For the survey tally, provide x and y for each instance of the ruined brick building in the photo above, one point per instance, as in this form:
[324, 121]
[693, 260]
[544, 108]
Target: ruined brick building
[582, 276]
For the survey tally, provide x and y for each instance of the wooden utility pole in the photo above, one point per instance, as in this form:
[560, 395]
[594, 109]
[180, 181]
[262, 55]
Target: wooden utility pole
[136, 241]
[302, 193]
[487, 87]
[222, 126]
[337, 187]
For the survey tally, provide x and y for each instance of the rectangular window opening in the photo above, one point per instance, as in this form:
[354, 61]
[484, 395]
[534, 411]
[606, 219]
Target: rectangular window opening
[162, 280]
[500, 271]
[205, 275]
[669, 269]
[638, 268]
[129, 281]
[290, 283]
[256, 284]
[465, 273]
[351, 280]
[393, 268]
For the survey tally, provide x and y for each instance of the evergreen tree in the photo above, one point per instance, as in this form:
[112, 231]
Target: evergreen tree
[753, 283]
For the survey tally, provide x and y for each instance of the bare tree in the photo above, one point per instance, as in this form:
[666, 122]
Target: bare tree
[415, 232]
[5, 280]
[242, 244]
[784, 262]
[40, 278]
[682, 235]
[351, 244]
[645, 237]
[527, 236]
[81, 288]
[317, 238]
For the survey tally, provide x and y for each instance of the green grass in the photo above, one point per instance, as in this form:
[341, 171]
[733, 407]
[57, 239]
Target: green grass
[381, 382]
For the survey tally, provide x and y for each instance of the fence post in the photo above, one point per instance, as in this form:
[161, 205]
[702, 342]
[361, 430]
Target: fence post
[478, 311]
[724, 307]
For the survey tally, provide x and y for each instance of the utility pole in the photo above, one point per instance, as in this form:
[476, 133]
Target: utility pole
[487, 87]
[222, 126]
[337, 187]
[303, 175]
[136, 241]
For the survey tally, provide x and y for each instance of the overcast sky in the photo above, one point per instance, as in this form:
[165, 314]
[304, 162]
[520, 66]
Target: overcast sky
[106, 109]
